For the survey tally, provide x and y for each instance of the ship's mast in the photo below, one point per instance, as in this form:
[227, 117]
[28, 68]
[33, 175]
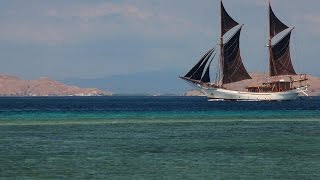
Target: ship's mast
[269, 40]
[220, 69]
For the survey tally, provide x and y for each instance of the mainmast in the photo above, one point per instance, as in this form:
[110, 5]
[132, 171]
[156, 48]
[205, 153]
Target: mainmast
[220, 69]
[279, 53]
[270, 39]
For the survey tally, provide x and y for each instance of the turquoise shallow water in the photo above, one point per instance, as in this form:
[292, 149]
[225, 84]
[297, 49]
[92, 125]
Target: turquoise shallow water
[158, 138]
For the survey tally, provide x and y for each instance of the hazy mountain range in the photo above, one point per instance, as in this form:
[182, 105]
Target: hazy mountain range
[164, 82]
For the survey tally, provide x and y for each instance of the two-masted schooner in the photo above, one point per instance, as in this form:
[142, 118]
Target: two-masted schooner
[231, 68]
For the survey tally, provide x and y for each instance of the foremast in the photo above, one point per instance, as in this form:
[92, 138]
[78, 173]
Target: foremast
[231, 68]
[220, 72]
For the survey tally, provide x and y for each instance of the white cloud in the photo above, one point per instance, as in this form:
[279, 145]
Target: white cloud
[52, 13]
[104, 9]
[51, 35]
[11, 12]
[313, 22]
[78, 22]
[312, 18]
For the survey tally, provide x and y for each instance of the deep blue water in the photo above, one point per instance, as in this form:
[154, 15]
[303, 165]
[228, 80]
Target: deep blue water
[158, 138]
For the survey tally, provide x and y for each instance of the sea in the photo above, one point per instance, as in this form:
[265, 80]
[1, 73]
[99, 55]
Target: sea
[137, 137]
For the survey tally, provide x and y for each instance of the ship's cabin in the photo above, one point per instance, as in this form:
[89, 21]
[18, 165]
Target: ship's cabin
[271, 86]
[279, 85]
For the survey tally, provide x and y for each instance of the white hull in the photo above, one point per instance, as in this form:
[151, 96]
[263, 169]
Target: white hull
[224, 94]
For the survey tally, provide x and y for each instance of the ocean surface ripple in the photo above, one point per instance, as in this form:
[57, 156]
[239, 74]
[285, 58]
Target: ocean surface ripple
[158, 138]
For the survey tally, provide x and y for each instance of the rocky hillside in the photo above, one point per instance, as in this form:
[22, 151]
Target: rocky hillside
[194, 93]
[257, 78]
[14, 86]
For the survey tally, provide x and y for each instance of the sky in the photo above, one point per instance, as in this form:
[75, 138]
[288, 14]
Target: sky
[98, 38]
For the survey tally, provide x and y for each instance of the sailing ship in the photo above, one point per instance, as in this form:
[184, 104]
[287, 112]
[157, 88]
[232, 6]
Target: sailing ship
[282, 83]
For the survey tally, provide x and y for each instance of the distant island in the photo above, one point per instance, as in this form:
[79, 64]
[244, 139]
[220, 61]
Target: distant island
[14, 86]
[259, 78]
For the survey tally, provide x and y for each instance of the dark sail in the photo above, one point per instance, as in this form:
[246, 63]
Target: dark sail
[233, 68]
[206, 76]
[227, 22]
[196, 67]
[280, 60]
[198, 73]
[276, 26]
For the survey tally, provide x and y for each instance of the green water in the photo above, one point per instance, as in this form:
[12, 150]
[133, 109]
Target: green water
[217, 150]
[256, 141]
